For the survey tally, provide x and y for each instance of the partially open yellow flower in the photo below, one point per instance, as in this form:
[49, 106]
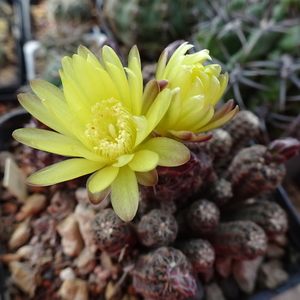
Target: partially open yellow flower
[196, 89]
[104, 121]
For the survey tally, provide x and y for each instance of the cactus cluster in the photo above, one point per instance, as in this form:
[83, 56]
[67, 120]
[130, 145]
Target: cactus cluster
[257, 43]
[194, 219]
[218, 221]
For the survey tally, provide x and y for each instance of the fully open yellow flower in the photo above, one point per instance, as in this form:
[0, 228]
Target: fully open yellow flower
[196, 90]
[104, 121]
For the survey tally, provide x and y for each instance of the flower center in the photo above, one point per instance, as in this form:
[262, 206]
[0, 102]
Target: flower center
[111, 129]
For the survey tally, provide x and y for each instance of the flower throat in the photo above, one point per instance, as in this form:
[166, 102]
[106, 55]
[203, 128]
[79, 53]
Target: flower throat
[111, 129]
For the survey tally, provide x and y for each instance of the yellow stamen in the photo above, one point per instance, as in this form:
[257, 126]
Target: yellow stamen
[111, 129]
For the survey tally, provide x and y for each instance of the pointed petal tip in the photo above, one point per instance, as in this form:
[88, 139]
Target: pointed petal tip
[97, 198]
[188, 136]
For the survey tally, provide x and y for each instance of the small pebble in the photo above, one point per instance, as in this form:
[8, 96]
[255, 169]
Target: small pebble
[66, 274]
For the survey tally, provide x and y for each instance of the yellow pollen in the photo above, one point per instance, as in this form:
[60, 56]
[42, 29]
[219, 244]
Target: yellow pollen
[111, 129]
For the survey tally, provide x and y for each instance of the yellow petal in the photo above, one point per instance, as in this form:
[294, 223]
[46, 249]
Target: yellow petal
[172, 115]
[85, 153]
[147, 178]
[135, 92]
[123, 160]
[102, 179]
[35, 107]
[161, 65]
[47, 141]
[150, 93]
[74, 95]
[221, 121]
[125, 194]
[175, 58]
[171, 153]
[63, 171]
[144, 161]
[158, 109]
[46, 90]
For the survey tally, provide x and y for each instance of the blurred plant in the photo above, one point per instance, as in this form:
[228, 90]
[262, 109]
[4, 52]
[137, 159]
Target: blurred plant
[150, 24]
[66, 25]
[256, 43]
[8, 51]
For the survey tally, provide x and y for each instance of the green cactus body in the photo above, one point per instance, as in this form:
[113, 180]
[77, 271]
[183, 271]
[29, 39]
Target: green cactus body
[239, 240]
[268, 215]
[164, 274]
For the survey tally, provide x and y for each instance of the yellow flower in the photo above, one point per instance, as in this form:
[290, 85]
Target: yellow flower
[104, 120]
[196, 89]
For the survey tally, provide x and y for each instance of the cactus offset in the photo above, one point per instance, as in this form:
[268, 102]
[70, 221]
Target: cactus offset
[219, 192]
[268, 215]
[200, 253]
[164, 274]
[239, 240]
[199, 218]
[259, 170]
[111, 234]
[242, 128]
[157, 228]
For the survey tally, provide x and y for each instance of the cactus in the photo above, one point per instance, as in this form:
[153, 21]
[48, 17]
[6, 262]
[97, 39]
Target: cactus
[157, 228]
[259, 169]
[199, 218]
[200, 253]
[220, 144]
[242, 129]
[239, 240]
[268, 215]
[252, 40]
[164, 274]
[151, 25]
[179, 184]
[111, 234]
[219, 192]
